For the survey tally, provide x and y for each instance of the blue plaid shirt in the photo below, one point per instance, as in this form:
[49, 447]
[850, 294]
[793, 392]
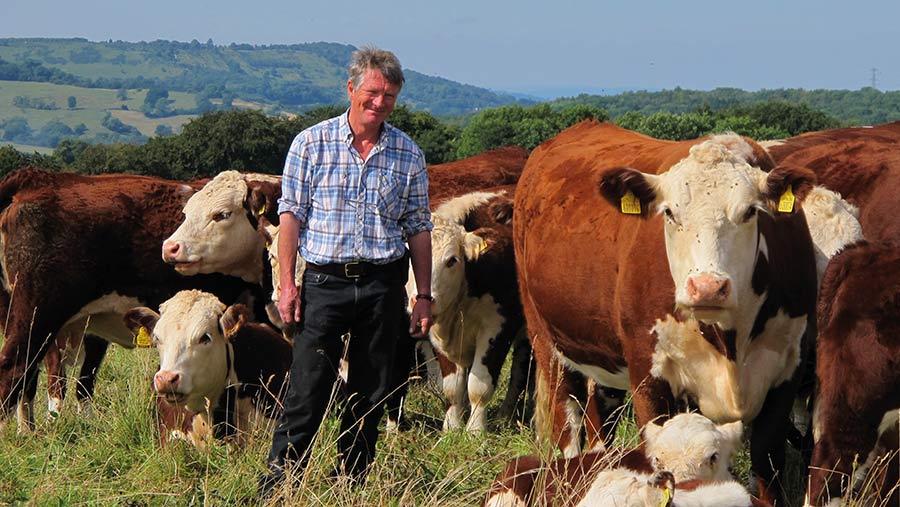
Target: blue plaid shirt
[352, 209]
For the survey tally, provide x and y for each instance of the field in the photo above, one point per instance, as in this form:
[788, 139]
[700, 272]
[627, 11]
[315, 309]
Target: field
[91, 105]
[110, 456]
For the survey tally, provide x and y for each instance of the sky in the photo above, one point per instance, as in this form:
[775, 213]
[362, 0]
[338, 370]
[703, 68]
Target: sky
[546, 48]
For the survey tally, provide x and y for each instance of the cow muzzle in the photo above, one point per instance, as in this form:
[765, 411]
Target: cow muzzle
[167, 385]
[707, 291]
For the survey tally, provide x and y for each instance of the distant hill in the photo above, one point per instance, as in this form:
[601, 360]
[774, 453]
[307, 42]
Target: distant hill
[291, 78]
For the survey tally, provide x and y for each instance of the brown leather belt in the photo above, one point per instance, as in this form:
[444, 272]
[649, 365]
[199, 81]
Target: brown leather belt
[352, 270]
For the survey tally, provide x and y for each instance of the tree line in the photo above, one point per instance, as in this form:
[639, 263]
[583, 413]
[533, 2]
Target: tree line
[248, 140]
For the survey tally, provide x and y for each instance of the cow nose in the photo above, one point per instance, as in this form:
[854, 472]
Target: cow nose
[708, 290]
[170, 250]
[166, 381]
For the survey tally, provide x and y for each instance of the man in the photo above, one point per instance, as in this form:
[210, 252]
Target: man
[354, 195]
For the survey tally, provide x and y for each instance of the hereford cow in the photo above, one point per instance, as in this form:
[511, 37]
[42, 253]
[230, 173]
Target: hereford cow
[688, 448]
[708, 245]
[857, 356]
[211, 356]
[477, 312]
[76, 252]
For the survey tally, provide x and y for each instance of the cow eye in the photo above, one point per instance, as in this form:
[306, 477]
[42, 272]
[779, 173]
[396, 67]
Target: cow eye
[713, 459]
[670, 216]
[222, 215]
[204, 339]
[750, 213]
[452, 261]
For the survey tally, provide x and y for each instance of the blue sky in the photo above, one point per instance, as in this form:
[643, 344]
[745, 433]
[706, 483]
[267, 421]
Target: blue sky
[547, 47]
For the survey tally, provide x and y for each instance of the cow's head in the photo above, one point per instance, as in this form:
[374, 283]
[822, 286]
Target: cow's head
[191, 334]
[711, 201]
[451, 248]
[693, 447]
[219, 233]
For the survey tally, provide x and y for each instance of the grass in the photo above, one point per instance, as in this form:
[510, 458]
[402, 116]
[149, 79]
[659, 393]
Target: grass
[111, 456]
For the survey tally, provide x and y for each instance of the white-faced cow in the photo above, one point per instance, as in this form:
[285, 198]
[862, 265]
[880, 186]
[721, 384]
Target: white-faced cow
[477, 311]
[211, 358]
[686, 458]
[704, 238]
[77, 250]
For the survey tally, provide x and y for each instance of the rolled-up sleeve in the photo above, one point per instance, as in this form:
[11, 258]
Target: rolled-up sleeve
[417, 217]
[295, 179]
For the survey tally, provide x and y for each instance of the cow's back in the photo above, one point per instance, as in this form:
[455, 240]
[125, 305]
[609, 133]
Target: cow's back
[860, 163]
[573, 250]
[501, 166]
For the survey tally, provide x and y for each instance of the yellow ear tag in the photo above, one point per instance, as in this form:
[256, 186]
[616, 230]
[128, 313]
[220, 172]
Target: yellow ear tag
[143, 338]
[786, 201]
[261, 210]
[483, 247]
[631, 205]
[666, 499]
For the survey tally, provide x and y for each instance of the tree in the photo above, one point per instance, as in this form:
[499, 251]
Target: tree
[122, 94]
[17, 129]
[72, 101]
[163, 130]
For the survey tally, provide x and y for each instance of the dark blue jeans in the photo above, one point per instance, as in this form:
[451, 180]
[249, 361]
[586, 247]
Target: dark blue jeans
[371, 309]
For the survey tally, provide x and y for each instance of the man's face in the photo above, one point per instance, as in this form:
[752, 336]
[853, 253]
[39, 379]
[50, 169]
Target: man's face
[373, 101]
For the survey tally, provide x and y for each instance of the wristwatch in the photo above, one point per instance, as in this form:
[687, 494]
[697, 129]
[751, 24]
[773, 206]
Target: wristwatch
[429, 297]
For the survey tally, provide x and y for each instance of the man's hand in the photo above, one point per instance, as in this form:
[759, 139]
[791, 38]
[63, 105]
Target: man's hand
[420, 320]
[289, 307]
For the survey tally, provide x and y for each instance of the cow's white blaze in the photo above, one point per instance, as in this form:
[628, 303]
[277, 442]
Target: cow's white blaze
[711, 200]
[192, 346]
[216, 236]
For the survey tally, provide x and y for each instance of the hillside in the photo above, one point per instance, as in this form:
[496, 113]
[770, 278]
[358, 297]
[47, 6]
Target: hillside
[290, 77]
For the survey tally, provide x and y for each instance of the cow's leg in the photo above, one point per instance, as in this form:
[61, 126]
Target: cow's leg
[835, 453]
[56, 375]
[25, 406]
[767, 441]
[561, 399]
[490, 353]
[521, 380]
[454, 387]
[603, 413]
[95, 349]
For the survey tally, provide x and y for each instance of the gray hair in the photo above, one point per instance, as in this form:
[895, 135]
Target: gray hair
[370, 57]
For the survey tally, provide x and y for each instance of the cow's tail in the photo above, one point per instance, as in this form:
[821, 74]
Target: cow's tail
[543, 420]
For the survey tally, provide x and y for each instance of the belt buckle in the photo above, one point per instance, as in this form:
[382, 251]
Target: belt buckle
[352, 270]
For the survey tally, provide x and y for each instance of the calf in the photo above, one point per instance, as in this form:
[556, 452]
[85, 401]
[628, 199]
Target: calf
[212, 357]
[688, 448]
[857, 356]
[477, 312]
[75, 252]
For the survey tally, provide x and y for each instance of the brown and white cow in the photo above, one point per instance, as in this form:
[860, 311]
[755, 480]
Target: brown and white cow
[211, 358]
[477, 311]
[77, 250]
[688, 449]
[857, 354]
[707, 258]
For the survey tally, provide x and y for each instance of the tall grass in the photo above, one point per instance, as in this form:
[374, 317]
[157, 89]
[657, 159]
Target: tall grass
[111, 456]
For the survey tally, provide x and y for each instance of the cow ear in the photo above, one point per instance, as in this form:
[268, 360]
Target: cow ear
[139, 317]
[234, 317]
[651, 431]
[629, 190]
[501, 210]
[479, 241]
[787, 186]
[262, 200]
[732, 433]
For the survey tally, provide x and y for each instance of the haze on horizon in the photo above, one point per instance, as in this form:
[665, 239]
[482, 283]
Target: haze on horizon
[544, 49]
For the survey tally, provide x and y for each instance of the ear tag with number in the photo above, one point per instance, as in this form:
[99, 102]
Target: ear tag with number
[786, 201]
[143, 338]
[631, 205]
